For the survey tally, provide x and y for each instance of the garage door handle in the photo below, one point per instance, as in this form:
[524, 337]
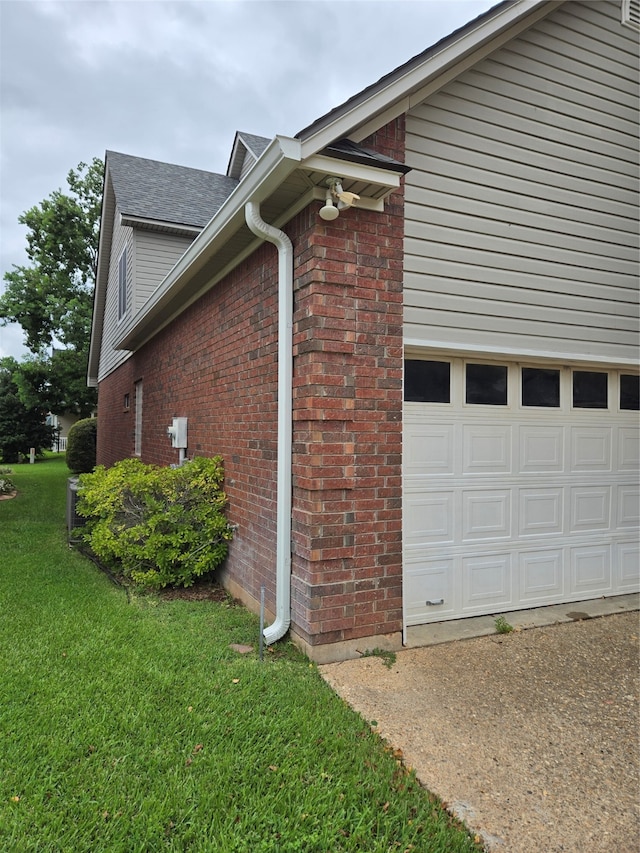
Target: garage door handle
[434, 603]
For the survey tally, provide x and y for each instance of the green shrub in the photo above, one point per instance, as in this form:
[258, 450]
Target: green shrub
[157, 526]
[81, 446]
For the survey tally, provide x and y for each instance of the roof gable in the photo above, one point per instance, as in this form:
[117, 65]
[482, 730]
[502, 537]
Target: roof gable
[396, 92]
[247, 148]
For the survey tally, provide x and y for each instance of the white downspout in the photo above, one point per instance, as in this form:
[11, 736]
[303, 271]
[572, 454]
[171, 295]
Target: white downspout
[285, 378]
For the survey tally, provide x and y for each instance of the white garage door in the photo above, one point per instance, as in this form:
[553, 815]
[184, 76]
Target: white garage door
[520, 486]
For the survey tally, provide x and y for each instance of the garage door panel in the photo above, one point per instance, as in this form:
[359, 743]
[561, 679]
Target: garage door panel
[590, 508]
[487, 581]
[629, 449]
[429, 518]
[541, 511]
[429, 586]
[591, 449]
[628, 562]
[541, 576]
[429, 450]
[486, 449]
[486, 514]
[628, 514]
[541, 449]
[591, 570]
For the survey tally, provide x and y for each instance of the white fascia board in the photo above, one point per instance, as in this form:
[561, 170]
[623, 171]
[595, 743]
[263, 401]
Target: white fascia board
[278, 161]
[102, 276]
[398, 90]
[345, 169]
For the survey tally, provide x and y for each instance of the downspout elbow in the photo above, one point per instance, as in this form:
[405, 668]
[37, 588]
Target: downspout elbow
[264, 231]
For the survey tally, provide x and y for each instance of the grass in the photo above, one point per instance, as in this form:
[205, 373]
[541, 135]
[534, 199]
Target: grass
[130, 725]
[388, 658]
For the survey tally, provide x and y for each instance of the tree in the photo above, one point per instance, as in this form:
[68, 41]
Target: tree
[21, 426]
[52, 298]
[56, 382]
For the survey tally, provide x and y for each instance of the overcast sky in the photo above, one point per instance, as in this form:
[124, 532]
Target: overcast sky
[173, 80]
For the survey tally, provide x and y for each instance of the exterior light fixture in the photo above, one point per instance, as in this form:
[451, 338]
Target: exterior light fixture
[335, 193]
[329, 212]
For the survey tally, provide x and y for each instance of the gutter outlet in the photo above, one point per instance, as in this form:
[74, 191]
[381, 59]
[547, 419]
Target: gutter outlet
[264, 231]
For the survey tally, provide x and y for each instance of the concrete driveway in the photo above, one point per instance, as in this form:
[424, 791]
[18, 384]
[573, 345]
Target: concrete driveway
[530, 737]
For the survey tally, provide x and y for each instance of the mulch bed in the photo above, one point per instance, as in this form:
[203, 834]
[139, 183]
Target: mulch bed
[204, 588]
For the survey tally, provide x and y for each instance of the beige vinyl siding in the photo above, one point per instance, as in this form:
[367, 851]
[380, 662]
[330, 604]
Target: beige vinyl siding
[122, 238]
[247, 163]
[156, 253]
[522, 221]
[150, 256]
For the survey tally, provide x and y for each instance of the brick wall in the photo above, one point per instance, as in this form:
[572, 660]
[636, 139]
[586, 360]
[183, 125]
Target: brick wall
[347, 517]
[216, 364]
[115, 420]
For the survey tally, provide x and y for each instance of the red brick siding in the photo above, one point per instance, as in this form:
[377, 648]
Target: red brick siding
[115, 423]
[217, 365]
[347, 516]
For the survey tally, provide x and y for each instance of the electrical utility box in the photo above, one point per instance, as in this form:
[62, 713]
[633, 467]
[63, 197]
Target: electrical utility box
[178, 433]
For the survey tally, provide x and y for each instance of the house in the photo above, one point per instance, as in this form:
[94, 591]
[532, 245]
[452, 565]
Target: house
[61, 424]
[427, 404]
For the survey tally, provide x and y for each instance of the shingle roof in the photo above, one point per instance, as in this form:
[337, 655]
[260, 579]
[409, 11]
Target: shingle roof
[161, 191]
[345, 149]
[243, 144]
[255, 144]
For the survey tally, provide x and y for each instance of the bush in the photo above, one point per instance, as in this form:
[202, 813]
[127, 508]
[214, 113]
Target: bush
[81, 446]
[157, 526]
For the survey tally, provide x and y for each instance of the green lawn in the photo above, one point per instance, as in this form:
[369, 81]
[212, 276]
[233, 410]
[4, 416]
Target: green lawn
[130, 725]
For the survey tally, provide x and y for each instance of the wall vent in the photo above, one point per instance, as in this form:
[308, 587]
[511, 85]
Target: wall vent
[631, 13]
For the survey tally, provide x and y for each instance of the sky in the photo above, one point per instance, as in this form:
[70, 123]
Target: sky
[173, 80]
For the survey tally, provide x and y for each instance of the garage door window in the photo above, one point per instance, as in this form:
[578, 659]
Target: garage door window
[486, 384]
[590, 390]
[540, 387]
[629, 392]
[427, 381]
